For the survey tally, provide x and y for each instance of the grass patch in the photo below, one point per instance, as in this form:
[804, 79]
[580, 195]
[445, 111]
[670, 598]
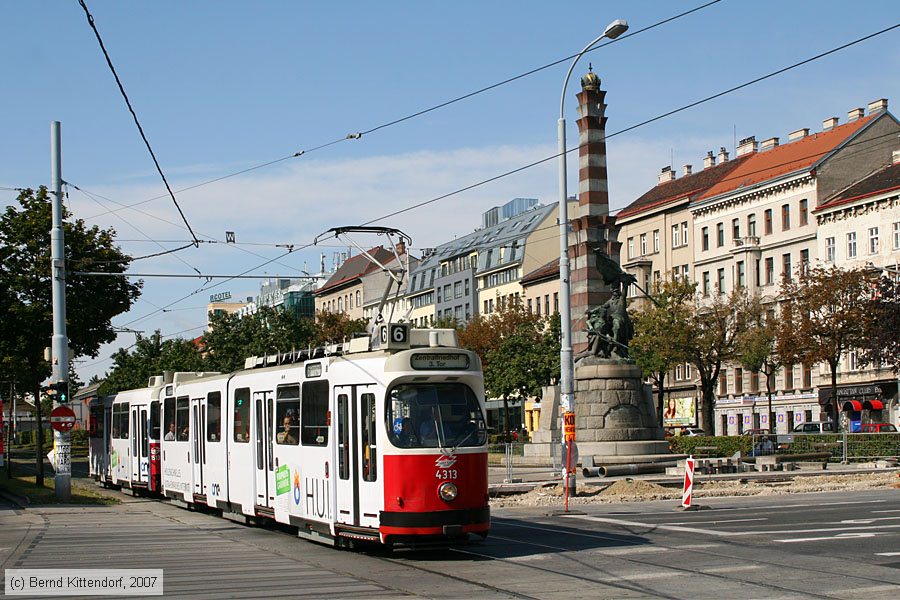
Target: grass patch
[25, 486]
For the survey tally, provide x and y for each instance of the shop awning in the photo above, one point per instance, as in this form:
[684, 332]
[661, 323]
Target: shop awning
[852, 405]
[873, 405]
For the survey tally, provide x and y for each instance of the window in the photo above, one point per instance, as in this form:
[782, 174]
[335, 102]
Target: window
[468, 311]
[785, 217]
[897, 235]
[120, 421]
[706, 283]
[873, 240]
[738, 380]
[676, 236]
[556, 302]
[314, 414]
[214, 417]
[656, 240]
[721, 280]
[631, 247]
[530, 307]
[704, 236]
[804, 260]
[757, 273]
[767, 220]
[457, 289]
[154, 420]
[851, 244]
[684, 233]
[428, 415]
[547, 304]
[786, 267]
[643, 244]
[241, 426]
[685, 271]
[804, 212]
[751, 225]
[770, 271]
[679, 372]
[807, 375]
[735, 229]
[720, 235]
[723, 384]
[369, 447]
[789, 377]
[340, 303]
[349, 301]
[168, 419]
[182, 419]
[358, 303]
[287, 415]
[754, 381]
[467, 287]
[852, 362]
[343, 432]
[829, 250]
[741, 275]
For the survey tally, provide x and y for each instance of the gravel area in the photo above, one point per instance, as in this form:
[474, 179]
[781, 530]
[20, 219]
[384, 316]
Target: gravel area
[636, 490]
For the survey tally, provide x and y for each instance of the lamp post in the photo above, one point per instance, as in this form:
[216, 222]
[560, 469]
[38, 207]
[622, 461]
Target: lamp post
[567, 365]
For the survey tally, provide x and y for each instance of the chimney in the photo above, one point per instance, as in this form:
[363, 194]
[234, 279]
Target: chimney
[877, 106]
[401, 248]
[709, 161]
[829, 123]
[666, 174]
[854, 114]
[746, 146]
[895, 157]
[768, 144]
[798, 135]
[688, 169]
[723, 155]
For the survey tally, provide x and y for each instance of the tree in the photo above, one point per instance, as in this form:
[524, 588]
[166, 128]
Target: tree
[335, 327]
[881, 340]
[660, 337]
[712, 332]
[150, 356]
[25, 273]
[519, 352]
[760, 348]
[824, 316]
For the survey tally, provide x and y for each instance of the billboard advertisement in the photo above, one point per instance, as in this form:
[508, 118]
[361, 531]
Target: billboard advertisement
[680, 412]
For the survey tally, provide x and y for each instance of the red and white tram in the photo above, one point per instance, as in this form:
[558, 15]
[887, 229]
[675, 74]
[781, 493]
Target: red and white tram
[380, 440]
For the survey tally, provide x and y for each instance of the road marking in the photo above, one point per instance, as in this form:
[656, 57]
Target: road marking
[731, 569]
[840, 536]
[887, 554]
[868, 521]
[723, 521]
[885, 511]
[632, 550]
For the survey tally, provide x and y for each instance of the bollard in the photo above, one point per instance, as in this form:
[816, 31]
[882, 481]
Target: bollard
[688, 482]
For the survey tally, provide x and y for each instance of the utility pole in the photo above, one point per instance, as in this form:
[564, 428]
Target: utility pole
[60, 342]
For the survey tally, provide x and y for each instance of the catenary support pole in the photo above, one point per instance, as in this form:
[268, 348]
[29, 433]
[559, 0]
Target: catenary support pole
[60, 342]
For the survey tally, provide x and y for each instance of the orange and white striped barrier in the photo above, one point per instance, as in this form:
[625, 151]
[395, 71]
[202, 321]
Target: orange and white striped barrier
[688, 482]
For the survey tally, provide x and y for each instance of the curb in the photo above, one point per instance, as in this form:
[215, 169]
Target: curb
[22, 502]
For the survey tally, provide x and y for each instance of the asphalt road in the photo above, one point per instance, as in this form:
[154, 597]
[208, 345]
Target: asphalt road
[798, 546]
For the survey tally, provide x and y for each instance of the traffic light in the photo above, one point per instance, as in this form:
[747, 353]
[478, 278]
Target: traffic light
[57, 392]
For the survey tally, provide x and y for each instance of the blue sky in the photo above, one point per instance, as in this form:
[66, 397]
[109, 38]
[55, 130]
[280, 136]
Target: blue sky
[222, 86]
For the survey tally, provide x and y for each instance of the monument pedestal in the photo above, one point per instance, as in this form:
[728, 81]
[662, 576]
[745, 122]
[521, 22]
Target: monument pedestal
[615, 418]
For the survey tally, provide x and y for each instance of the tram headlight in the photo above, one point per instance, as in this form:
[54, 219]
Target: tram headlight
[448, 491]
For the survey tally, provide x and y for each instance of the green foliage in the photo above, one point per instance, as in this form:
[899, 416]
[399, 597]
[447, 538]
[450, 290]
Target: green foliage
[859, 445]
[881, 340]
[149, 357]
[333, 328]
[79, 437]
[725, 446]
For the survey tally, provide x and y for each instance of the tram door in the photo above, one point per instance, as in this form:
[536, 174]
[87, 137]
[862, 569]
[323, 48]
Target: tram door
[198, 442]
[358, 484]
[142, 473]
[135, 443]
[107, 441]
[263, 417]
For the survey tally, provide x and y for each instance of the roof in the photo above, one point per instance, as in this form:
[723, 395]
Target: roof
[88, 390]
[683, 188]
[885, 179]
[355, 267]
[547, 271]
[781, 160]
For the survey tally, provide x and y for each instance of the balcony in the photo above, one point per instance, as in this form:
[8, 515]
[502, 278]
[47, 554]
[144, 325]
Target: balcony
[749, 243]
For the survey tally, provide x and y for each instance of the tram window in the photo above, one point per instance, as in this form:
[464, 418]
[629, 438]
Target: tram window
[120, 421]
[343, 438]
[241, 429]
[145, 441]
[214, 417]
[369, 439]
[287, 415]
[182, 419]
[154, 420]
[96, 423]
[169, 419]
[435, 414]
[314, 414]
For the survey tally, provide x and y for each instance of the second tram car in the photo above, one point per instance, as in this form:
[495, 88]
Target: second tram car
[380, 440]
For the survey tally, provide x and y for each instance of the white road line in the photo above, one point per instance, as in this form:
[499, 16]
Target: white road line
[632, 550]
[696, 546]
[868, 521]
[840, 536]
[731, 569]
[725, 521]
[884, 511]
[887, 554]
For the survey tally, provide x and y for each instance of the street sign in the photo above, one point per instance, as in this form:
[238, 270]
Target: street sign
[569, 426]
[62, 418]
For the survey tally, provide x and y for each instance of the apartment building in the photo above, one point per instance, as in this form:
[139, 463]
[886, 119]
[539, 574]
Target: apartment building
[749, 222]
[343, 291]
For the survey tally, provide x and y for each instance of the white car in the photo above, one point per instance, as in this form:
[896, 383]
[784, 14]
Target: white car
[692, 432]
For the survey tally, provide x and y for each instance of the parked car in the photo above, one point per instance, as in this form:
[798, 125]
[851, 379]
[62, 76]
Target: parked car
[692, 431]
[814, 427]
[756, 432]
[877, 428]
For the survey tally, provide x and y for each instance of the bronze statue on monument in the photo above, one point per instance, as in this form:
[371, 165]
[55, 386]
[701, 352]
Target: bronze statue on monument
[609, 327]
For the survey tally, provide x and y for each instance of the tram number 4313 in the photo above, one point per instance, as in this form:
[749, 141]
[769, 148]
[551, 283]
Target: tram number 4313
[446, 474]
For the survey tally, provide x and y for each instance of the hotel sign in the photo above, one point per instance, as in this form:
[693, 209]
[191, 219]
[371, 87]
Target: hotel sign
[220, 296]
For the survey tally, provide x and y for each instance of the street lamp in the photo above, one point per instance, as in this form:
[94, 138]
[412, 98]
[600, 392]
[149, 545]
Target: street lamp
[567, 364]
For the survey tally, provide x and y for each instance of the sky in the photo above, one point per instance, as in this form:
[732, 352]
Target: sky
[224, 86]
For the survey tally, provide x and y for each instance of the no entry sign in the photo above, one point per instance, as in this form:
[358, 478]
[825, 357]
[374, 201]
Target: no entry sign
[62, 418]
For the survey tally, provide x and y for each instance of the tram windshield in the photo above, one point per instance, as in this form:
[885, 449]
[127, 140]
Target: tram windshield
[432, 415]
